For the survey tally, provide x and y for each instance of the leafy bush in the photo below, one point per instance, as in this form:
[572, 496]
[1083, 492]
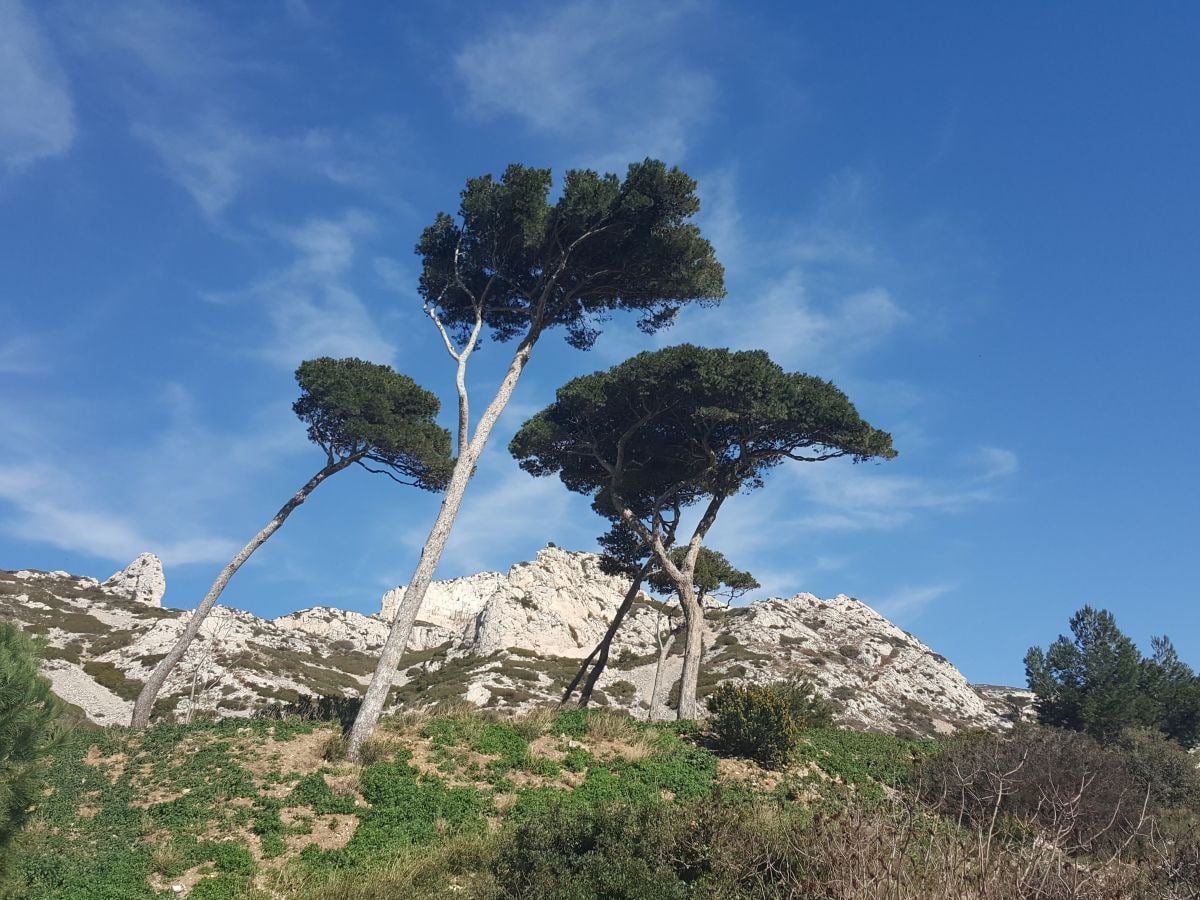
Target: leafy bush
[27, 713]
[763, 722]
[1160, 766]
[570, 852]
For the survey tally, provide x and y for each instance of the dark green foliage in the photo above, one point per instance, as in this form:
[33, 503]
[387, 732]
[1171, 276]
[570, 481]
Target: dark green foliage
[728, 418]
[27, 713]
[622, 690]
[369, 412]
[713, 576]
[407, 809]
[752, 721]
[1173, 691]
[763, 722]
[606, 244]
[575, 853]
[862, 759]
[1097, 681]
[111, 677]
[312, 790]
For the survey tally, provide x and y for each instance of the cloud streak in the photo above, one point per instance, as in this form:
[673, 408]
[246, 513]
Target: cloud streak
[168, 492]
[602, 75]
[310, 303]
[37, 114]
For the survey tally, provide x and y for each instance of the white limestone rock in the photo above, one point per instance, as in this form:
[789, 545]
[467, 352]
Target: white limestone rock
[141, 580]
[507, 640]
[341, 627]
[74, 685]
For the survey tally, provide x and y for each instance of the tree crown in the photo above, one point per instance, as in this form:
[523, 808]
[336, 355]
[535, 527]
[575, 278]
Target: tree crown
[606, 244]
[713, 575]
[672, 426]
[359, 409]
[1097, 681]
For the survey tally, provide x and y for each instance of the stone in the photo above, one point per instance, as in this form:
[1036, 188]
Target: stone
[505, 639]
[141, 580]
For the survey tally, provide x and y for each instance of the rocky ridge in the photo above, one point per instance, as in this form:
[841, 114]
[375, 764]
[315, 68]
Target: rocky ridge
[510, 640]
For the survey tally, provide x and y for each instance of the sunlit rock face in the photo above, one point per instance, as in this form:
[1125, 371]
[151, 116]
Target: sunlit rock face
[141, 580]
[499, 639]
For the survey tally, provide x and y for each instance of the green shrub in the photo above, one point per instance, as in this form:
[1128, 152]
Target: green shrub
[753, 721]
[1161, 766]
[27, 713]
[763, 722]
[572, 852]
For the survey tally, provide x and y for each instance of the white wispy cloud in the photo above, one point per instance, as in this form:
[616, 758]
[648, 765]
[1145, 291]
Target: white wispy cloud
[24, 354]
[212, 161]
[910, 602]
[312, 308]
[608, 76]
[794, 327]
[995, 462]
[37, 115]
[812, 289]
[169, 490]
[856, 498]
[189, 87]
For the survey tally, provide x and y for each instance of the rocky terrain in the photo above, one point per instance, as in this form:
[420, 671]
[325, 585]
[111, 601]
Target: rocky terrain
[510, 640]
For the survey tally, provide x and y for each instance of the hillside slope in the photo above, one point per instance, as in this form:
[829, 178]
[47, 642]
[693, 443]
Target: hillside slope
[509, 640]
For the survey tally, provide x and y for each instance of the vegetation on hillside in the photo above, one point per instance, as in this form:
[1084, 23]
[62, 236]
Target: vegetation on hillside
[585, 804]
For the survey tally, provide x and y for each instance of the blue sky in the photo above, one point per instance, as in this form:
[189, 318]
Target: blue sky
[980, 223]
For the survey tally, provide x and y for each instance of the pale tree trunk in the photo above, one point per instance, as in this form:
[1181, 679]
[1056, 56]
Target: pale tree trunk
[693, 611]
[149, 692]
[414, 594]
[693, 650]
[664, 650]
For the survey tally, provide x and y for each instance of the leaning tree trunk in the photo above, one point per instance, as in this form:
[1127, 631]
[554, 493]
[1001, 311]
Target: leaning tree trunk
[414, 594]
[693, 649]
[602, 649]
[149, 693]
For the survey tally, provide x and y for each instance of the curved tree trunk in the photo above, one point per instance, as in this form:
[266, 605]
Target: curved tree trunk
[605, 644]
[149, 692]
[693, 650]
[414, 594]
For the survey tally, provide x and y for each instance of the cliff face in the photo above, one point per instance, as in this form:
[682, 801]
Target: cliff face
[496, 639]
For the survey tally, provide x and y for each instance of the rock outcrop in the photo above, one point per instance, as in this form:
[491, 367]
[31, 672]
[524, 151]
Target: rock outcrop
[512, 639]
[142, 580]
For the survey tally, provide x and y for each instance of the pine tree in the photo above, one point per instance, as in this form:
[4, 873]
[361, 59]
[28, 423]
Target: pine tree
[27, 713]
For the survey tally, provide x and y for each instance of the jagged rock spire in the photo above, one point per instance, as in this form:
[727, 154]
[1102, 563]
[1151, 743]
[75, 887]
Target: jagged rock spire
[141, 580]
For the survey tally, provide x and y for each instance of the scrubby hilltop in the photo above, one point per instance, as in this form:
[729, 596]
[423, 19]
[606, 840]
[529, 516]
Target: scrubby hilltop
[508, 640]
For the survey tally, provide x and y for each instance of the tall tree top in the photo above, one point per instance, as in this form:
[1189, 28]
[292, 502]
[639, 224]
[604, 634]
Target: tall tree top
[687, 422]
[524, 263]
[359, 409]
